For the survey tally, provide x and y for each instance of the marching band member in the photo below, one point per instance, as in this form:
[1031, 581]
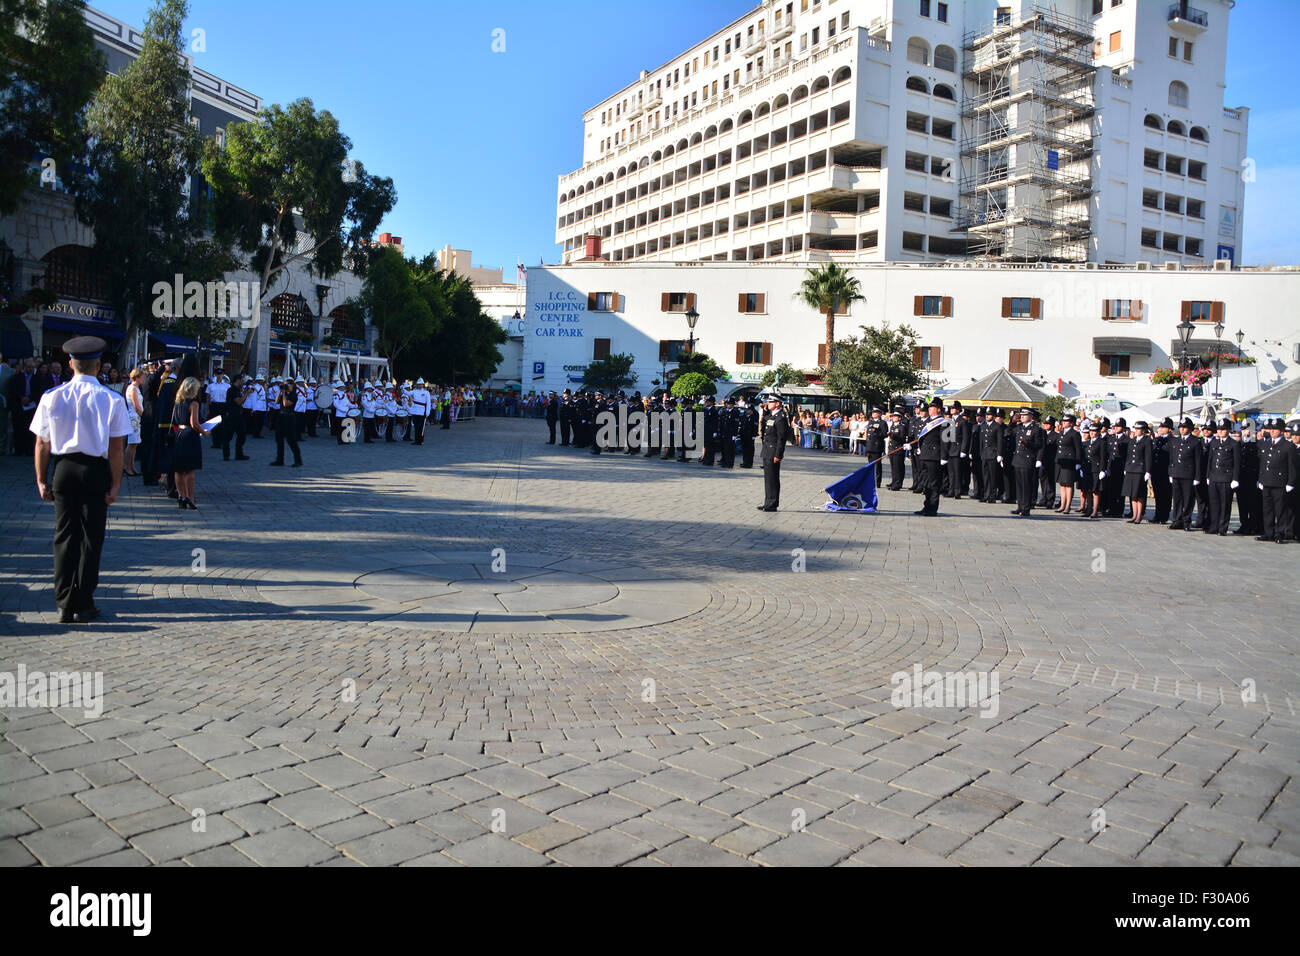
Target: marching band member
[401, 415]
[300, 407]
[312, 411]
[257, 406]
[273, 402]
[368, 412]
[421, 401]
[341, 406]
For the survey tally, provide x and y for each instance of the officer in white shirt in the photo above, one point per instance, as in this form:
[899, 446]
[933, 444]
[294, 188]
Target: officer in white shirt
[312, 411]
[340, 409]
[256, 405]
[218, 388]
[368, 413]
[82, 427]
[300, 407]
[421, 402]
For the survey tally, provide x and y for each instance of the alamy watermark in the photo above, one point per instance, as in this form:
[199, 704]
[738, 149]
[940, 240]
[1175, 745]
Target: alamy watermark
[959, 689]
[74, 689]
[210, 300]
[683, 430]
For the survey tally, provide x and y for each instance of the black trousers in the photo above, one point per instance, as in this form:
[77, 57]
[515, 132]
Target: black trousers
[1220, 495]
[565, 430]
[992, 479]
[1008, 480]
[710, 451]
[550, 424]
[142, 461]
[897, 467]
[367, 429]
[1274, 510]
[874, 453]
[1026, 482]
[1047, 484]
[746, 452]
[954, 476]
[1180, 514]
[232, 426]
[1164, 495]
[1248, 497]
[916, 469]
[80, 517]
[1112, 495]
[771, 482]
[287, 432]
[728, 451]
[932, 483]
[1202, 493]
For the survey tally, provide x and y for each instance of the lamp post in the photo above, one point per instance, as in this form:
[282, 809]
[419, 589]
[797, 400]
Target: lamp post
[1185, 328]
[1239, 336]
[1218, 335]
[691, 318]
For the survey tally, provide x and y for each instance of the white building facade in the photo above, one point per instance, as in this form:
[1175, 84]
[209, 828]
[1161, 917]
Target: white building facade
[1083, 329]
[916, 130]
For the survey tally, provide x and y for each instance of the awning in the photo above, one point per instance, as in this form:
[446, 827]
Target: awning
[1112, 345]
[103, 329]
[1200, 347]
[174, 341]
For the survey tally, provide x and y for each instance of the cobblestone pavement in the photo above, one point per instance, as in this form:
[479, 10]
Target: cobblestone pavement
[341, 675]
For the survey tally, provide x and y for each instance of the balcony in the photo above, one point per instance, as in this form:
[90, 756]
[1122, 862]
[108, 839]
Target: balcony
[782, 30]
[634, 111]
[756, 44]
[1187, 18]
[654, 101]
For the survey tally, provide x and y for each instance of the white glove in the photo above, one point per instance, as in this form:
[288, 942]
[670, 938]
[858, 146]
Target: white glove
[943, 461]
[1290, 488]
[1235, 484]
[1101, 474]
[1196, 481]
[999, 459]
[1259, 485]
[1147, 476]
[1171, 481]
[1038, 464]
[1079, 469]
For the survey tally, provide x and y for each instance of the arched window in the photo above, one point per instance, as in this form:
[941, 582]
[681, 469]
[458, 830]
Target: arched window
[697, 139]
[657, 155]
[600, 180]
[726, 127]
[622, 171]
[290, 313]
[918, 84]
[842, 74]
[944, 92]
[918, 51]
[580, 190]
[780, 101]
[945, 58]
[1176, 128]
[763, 109]
[800, 92]
[1178, 93]
[1152, 121]
[645, 161]
[70, 271]
[745, 117]
[590, 185]
[711, 132]
[572, 195]
[668, 151]
[347, 323]
[821, 83]
[1199, 133]
[681, 145]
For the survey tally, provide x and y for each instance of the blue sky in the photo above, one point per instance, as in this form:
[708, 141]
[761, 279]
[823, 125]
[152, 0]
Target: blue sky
[474, 140]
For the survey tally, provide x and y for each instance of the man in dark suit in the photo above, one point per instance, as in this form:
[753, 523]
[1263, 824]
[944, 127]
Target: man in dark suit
[1221, 473]
[22, 396]
[776, 432]
[1184, 474]
[1029, 444]
[931, 443]
[552, 416]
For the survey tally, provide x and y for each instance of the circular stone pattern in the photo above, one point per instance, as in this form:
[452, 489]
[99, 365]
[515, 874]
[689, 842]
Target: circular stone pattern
[485, 593]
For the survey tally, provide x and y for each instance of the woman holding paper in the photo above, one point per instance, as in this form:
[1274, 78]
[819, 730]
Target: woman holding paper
[134, 409]
[187, 451]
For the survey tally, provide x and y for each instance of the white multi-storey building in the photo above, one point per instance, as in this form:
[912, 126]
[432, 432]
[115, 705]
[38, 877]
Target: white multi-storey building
[912, 130]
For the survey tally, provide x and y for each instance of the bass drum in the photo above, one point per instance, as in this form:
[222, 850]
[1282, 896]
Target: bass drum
[324, 396]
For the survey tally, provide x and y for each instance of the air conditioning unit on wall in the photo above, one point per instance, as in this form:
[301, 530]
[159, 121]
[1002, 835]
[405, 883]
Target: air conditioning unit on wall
[1222, 265]
[1143, 267]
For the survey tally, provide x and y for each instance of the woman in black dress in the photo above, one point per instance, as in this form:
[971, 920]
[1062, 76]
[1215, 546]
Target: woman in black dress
[187, 450]
[1137, 470]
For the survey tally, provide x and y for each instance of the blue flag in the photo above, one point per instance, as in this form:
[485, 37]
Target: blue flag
[857, 492]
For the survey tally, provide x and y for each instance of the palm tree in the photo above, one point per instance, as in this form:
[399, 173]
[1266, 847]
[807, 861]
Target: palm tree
[825, 289]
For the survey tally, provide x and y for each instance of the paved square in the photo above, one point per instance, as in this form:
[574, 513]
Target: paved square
[338, 665]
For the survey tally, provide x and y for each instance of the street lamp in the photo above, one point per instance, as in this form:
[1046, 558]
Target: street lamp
[1218, 335]
[691, 318]
[1185, 328]
[1239, 336]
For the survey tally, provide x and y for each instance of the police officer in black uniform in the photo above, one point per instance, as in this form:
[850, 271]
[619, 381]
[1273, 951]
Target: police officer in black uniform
[990, 455]
[728, 432]
[712, 432]
[232, 419]
[1137, 471]
[1113, 487]
[1278, 477]
[552, 415]
[1248, 495]
[565, 416]
[931, 444]
[1184, 474]
[915, 423]
[1047, 474]
[1029, 443]
[897, 456]
[1221, 474]
[1098, 452]
[1160, 486]
[1069, 462]
[876, 432]
[775, 432]
[748, 432]
[956, 446]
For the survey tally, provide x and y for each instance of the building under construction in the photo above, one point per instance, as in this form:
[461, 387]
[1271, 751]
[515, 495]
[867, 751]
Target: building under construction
[1027, 137]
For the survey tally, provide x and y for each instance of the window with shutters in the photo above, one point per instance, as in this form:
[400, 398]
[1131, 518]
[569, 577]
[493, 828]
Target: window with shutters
[1113, 366]
[1018, 361]
[1019, 307]
[671, 350]
[927, 357]
[676, 301]
[1203, 311]
[602, 301]
[1121, 309]
[599, 349]
[752, 303]
[753, 353]
[932, 305]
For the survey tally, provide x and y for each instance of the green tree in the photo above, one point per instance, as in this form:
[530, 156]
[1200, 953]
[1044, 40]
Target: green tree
[610, 374]
[701, 363]
[1057, 405]
[826, 289]
[149, 225]
[787, 373]
[288, 176]
[49, 70]
[463, 348]
[693, 383]
[401, 309]
[876, 366]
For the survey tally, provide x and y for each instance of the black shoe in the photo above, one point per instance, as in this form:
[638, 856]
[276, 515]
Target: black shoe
[277, 464]
[296, 464]
[243, 458]
[67, 616]
[189, 503]
[86, 615]
[1223, 534]
[180, 503]
[1263, 537]
[921, 512]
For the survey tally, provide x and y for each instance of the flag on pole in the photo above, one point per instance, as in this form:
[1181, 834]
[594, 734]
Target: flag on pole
[857, 492]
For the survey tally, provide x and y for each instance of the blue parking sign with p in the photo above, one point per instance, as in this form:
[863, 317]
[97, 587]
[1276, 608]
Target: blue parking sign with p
[539, 368]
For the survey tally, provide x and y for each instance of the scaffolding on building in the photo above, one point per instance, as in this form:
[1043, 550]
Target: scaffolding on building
[1027, 137]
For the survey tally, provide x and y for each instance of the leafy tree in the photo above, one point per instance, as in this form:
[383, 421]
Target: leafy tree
[49, 69]
[876, 366]
[464, 346]
[788, 374]
[701, 363]
[289, 174]
[1057, 405]
[610, 374]
[143, 157]
[825, 289]
[693, 383]
[400, 308]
